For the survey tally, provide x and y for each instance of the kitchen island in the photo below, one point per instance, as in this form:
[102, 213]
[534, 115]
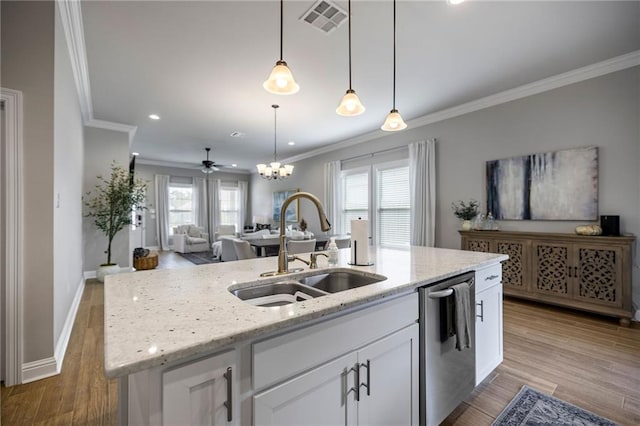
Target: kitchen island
[184, 347]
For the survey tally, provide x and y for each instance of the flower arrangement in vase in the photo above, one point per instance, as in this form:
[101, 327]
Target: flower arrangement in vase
[465, 212]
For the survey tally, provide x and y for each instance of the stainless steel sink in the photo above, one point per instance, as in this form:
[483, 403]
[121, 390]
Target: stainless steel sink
[277, 293]
[299, 287]
[333, 282]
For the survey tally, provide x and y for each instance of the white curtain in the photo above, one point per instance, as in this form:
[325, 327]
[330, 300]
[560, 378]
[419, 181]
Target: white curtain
[201, 204]
[162, 210]
[213, 186]
[422, 175]
[243, 187]
[332, 194]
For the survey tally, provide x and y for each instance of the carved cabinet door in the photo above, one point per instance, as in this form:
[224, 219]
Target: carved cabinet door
[513, 269]
[598, 275]
[552, 268]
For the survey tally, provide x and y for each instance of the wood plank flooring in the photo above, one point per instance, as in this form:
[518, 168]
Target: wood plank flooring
[584, 359]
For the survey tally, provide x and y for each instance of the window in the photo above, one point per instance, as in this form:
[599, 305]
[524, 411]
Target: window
[230, 206]
[385, 186]
[355, 202]
[393, 206]
[180, 205]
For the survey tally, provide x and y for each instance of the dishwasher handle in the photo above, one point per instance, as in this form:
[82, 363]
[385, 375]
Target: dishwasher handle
[441, 294]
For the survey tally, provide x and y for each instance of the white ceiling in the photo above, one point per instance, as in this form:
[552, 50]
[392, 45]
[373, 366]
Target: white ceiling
[200, 66]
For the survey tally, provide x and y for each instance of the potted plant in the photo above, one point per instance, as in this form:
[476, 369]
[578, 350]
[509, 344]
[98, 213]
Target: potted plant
[111, 204]
[465, 212]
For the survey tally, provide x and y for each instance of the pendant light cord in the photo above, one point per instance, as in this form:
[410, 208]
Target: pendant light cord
[281, 25]
[394, 54]
[350, 45]
[275, 124]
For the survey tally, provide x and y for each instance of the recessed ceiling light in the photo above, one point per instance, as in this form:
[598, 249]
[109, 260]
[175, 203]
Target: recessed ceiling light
[234, 165]
[135, 154]
[291, 143]
[454, 2]
[154, 116]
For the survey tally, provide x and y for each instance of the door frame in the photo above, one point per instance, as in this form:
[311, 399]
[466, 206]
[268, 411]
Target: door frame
[14, 272]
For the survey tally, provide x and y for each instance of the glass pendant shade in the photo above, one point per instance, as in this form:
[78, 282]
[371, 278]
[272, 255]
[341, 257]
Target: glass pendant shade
[281, 81]
[394, 122]
[207, 170]
[350, 104]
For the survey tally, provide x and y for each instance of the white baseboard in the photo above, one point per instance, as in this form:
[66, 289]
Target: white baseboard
[48, 367]
[89, 275]
[63, 340]
[40, 369]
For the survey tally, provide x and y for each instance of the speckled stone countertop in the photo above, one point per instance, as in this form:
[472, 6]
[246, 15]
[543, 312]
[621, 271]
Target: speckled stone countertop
[160, 316]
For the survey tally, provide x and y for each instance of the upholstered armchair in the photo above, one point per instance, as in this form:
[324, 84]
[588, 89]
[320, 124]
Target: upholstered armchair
[190, 238]
[225, 230]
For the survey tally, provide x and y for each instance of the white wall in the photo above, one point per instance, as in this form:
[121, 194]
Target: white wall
[147, 172]
[102, 147]
[27, 65]
[601, 112]
[68, 161]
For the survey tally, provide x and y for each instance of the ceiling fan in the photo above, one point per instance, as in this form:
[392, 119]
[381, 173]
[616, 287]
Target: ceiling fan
[209, 166]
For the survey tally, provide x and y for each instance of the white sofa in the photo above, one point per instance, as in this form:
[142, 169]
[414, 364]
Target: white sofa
[189, 239]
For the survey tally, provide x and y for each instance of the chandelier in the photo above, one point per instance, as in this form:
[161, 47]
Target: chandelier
[274, 170]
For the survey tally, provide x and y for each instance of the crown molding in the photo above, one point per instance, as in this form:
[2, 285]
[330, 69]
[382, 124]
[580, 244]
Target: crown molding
[110, 125]
[71, 17]
[588, 72]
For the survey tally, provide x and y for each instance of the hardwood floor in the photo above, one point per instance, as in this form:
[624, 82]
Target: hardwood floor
[587, 360]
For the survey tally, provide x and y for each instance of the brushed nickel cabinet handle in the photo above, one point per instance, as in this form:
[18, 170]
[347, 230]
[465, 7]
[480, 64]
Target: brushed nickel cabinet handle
[356, 388]
[368, 384]
[491, 277]
[481, 316]
[229, 402]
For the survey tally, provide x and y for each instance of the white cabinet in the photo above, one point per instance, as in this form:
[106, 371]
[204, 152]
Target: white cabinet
[316, 397]
[488, 321]
[201, 392]
[375, 385]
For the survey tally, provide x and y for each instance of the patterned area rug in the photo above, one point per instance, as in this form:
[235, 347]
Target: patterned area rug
[530, 407]
[200, 257]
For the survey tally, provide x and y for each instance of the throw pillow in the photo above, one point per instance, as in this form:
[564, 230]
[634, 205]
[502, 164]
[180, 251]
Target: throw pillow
[194, 232]
[260, 226]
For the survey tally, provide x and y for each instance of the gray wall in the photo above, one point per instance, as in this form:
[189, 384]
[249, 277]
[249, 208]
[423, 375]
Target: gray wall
[148, 172]
[27, 65]
[602, 112]
[102, 147]
[68, 167]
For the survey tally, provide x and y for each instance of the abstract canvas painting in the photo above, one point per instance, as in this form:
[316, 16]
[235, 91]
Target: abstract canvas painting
[559, 185]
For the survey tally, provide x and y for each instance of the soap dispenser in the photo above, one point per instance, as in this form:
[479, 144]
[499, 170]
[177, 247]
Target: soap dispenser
[333, 252]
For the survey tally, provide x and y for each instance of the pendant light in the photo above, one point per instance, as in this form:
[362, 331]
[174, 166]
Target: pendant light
[394, 121]
[281, 81]
[274, 170]
[350, 104]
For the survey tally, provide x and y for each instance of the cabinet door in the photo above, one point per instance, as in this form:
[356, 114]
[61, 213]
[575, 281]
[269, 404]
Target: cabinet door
[389, 389]
[513, 269]
[477, 244]
[488, 331]
[551, 269]
[321, 396]
[200, 393]
[598, 275]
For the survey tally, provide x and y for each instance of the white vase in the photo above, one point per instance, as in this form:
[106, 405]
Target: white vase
[466, 225]
[104, 270]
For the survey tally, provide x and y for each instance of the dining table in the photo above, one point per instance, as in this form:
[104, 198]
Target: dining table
[270, 246]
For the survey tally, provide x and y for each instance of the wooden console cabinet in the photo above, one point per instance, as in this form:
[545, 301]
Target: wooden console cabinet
[591, 273]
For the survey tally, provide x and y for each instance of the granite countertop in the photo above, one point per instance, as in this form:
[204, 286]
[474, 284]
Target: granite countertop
[160, 316]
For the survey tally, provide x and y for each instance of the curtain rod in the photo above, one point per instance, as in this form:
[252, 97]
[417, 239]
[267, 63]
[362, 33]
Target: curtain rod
[372, 154]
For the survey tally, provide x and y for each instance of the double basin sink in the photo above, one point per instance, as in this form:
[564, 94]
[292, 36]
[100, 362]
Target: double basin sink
[296, 288]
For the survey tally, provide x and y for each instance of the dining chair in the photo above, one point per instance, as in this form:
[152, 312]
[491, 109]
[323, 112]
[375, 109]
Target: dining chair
[301, 246]
[243, 250]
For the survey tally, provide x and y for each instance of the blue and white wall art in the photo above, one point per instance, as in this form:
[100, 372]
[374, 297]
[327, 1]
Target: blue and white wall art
[560, 185]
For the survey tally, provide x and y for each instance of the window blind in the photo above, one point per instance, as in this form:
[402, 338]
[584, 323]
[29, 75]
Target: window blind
[355, 198]
[393, 206]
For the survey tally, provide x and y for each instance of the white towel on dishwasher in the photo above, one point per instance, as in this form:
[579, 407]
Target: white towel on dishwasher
[462, 315]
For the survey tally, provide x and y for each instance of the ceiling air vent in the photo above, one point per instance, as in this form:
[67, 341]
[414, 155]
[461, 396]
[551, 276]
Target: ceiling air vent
[325, 16]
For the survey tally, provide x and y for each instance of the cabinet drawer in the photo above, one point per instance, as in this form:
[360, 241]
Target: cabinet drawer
[289, 354]
[488, 277]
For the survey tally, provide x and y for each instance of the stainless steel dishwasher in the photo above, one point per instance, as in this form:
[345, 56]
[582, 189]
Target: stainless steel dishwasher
[447, 375]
